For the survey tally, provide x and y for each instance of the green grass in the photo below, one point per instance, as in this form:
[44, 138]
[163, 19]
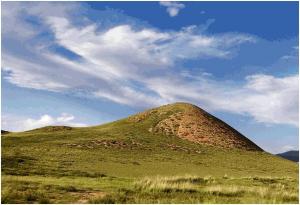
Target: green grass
[109, 163]
[176, 189]
[16, 189]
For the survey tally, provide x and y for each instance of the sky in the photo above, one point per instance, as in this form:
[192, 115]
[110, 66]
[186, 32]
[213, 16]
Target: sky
[88, 63]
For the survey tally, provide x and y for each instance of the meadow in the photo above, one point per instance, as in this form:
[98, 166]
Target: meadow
[122, 162]
[175, 189]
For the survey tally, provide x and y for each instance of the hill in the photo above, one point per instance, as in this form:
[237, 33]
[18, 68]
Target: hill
[3, 132]
[292, 155]
[191, 123]
[176, 151]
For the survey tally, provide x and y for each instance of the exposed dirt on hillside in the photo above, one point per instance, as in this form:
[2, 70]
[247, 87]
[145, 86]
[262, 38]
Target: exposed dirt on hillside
[116, 144]
[86, 196]
[196, 125]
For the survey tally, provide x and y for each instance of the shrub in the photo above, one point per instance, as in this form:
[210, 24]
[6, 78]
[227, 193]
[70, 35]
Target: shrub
[30, 196]
[169, 184]
[44, 200]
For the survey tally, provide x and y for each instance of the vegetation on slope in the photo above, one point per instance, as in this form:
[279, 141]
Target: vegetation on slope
[66, 165]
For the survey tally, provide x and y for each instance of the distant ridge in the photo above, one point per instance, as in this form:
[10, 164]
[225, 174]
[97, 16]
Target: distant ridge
[3, 132]
[292, 155]
[51, 129]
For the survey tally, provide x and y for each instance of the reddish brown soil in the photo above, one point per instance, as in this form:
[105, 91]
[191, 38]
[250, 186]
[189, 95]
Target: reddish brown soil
[196, 125]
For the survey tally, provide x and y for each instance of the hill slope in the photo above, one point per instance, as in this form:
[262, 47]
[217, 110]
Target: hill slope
[290, 155]
[177, 139]
[173, 135]
[191, 123]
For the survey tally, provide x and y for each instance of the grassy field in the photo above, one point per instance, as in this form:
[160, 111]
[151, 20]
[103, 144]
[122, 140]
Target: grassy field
[122, 162]
[184, 189]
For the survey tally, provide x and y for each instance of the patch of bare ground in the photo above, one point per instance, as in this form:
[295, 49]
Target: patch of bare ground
[116, 144]
[196, 125]
[84, 197]
[183, 149]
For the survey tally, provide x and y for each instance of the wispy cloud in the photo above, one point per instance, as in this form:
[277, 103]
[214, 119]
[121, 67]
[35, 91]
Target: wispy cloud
[138, 66]
[173, 7]
[286, 148]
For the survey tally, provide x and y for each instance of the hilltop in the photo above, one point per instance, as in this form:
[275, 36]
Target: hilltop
[173, 140]
[192, 123]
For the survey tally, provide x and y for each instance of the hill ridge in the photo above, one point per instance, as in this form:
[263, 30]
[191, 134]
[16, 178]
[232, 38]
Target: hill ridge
[292, 155]
[190, 122]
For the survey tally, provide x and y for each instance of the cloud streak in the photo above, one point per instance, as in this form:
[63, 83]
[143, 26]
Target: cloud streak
[139, 67]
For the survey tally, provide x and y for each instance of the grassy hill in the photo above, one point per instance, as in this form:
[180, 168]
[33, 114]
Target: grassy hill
[176, 153]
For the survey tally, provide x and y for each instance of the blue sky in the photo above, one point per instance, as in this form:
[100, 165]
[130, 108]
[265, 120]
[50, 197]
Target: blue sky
[87, 63]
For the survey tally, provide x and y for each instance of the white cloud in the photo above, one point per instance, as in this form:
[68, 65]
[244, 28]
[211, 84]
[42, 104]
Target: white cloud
[13, 13]
[126, 54]
[173, 7]
[272, 100]
[288, 148]
[139, 67]
[17, 123]
[65, 117]
[129, 96]
[264, 97]
[28, 74]
[35, 123]
[126, 51]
